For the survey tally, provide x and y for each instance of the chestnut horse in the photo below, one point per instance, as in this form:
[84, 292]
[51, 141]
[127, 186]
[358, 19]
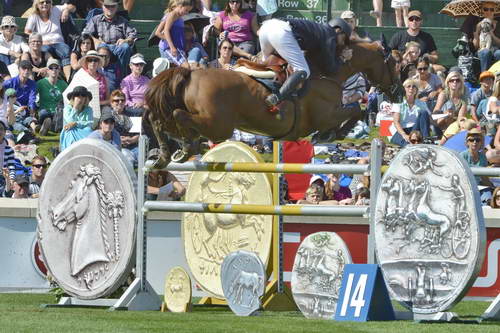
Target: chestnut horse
[211, 103]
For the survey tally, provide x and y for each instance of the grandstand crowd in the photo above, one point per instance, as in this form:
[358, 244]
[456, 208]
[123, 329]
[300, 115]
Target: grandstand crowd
[91, 83]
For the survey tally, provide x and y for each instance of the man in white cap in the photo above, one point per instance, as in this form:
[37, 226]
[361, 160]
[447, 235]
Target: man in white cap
[50, 91]
[12, 46]
[357, 34]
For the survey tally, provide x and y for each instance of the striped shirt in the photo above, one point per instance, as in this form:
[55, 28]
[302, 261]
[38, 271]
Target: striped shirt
[110, 31]
[8, 159]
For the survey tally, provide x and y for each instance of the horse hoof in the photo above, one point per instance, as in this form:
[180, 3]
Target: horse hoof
[180, 156]
[160, 163]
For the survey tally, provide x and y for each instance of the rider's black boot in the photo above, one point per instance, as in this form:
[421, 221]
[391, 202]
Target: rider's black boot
[287, 89]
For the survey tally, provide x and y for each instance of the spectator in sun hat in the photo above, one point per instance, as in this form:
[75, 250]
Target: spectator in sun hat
[50, 90]
[92, 64]
[78, 117]
[12, 46]
[106, 130]
[487, 79]
[134, 85]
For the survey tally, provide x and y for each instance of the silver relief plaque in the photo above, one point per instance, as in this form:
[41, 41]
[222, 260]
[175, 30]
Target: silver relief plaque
[429, 228]
[87, 219]
[243, 281]
[317, 274]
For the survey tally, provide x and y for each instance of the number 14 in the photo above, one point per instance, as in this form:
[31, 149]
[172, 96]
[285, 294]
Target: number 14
[357, 299]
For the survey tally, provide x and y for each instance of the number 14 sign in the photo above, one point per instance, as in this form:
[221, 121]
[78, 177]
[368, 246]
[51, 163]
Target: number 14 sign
[363, 295]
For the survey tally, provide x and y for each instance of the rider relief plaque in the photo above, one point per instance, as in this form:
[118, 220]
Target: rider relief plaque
[317, 274]
[243, 280]
[87, 219]
[209, 237]
[429, 228]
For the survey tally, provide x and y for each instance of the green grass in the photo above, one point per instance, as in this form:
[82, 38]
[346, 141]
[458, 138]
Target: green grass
[22, 313]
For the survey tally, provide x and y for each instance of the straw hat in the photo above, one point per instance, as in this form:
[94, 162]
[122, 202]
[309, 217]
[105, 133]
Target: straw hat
[91, 54]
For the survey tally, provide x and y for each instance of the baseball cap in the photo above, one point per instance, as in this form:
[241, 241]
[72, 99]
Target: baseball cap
[485, 75]
[21, 180]
[10, 92]
[52, 61]
[137, 59]
[416, 13]
[106, 116]
[348, 14]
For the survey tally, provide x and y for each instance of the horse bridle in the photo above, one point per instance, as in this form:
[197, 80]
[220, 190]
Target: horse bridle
[395, 86]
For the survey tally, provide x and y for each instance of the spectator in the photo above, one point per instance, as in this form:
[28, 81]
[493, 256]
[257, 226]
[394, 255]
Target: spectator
[12, 46]
[6, 158]
[451, 102]
[376, 13]
[39, 166]
[410, 115]
[92, 63]
[495, 199]
[415, 137]
[134, 85]
[401, 12]
[492, 111]
[7, 112]
[106, 131]
[357, 34]
[334, 192]
[123, 124]
[409, 60]
[239, 26]
[196, 54]
[110, 70]
[474, 155]
[162, 185]
[82, 7]
[78, 117]
[429, 84]
[353, 90]
[26, 96]
[171, 32]
[487, 80]
[46, 20]
[36, 56]
[487, 56]
[225, 60]
[114, 31]
[314, 195]
[21, 187]
[415, 34]
[84, 44]
[462, 124]
[50, 91]
[362, 198]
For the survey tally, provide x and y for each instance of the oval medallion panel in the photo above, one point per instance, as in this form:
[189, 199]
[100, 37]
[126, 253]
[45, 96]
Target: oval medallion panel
[429, 228]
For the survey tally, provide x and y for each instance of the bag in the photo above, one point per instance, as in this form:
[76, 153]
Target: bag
[24, 137]
[470, 66]
[57, 119]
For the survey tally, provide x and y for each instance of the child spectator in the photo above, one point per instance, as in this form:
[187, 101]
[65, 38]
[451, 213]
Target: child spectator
[334, 192]
[106, 131]
[11, 45]
[36, 56]
[416, 137]
[6, 158]
[376, 13]
[111, 70]
[487, 79]
[134, 85]
[46, 20]
[50, 91]
[314, 195]
[410, 59]
[495, 200]
[196, 54]
[78, 117]
[171, 32]
[239, 26]
[84, 44]
[7, 101]
[39, 166]
[401, 11]
[26, 96]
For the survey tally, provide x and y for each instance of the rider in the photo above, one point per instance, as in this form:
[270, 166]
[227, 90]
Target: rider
[289, 38]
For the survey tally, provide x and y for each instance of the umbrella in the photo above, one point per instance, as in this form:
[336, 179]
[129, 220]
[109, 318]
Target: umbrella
[198, 21]
[462, 8]
[457, 142]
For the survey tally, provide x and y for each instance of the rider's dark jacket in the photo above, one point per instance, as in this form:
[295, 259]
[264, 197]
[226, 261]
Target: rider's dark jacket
[319, 39]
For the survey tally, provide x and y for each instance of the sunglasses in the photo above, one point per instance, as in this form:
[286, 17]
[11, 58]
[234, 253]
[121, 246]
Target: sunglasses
[53, 68]
[139, 64]
[39, 166]
[455, 80]
[45, 2]
[415, 18]
[474, 140]
[118, 101]
[414, 141]
[109, 121]
[110, 6]
[5, 27]
[421, 69]
[233, 2]
[227, 48]
[410, 87]
[488, 9]
[35, 41]
[92, 60]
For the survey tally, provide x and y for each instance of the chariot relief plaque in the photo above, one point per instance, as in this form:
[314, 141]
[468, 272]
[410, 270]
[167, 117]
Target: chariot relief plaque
[177, 290]
[243, 280]
[87, 219]
[429, 228]
[208, 238]
[317, 274]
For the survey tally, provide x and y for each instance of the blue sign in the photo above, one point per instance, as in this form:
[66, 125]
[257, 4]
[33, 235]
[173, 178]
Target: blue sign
[363, 295]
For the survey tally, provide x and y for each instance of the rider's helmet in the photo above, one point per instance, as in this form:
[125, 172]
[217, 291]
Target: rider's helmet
[342, 25]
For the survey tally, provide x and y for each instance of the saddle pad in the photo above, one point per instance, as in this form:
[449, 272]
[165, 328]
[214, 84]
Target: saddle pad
[254, 73]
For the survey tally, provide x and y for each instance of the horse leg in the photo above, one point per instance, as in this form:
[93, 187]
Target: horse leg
[162, 137]
[188, 135]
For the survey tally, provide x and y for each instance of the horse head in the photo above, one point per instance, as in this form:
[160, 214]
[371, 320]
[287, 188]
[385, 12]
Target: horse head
[382, 69]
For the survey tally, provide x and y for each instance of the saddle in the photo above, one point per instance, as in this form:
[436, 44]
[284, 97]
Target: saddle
[275, 68]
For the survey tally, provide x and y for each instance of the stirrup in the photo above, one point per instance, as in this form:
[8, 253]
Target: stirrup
[272, 100]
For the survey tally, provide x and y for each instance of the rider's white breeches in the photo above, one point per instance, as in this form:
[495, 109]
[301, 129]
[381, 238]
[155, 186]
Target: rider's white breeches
[277, 36]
